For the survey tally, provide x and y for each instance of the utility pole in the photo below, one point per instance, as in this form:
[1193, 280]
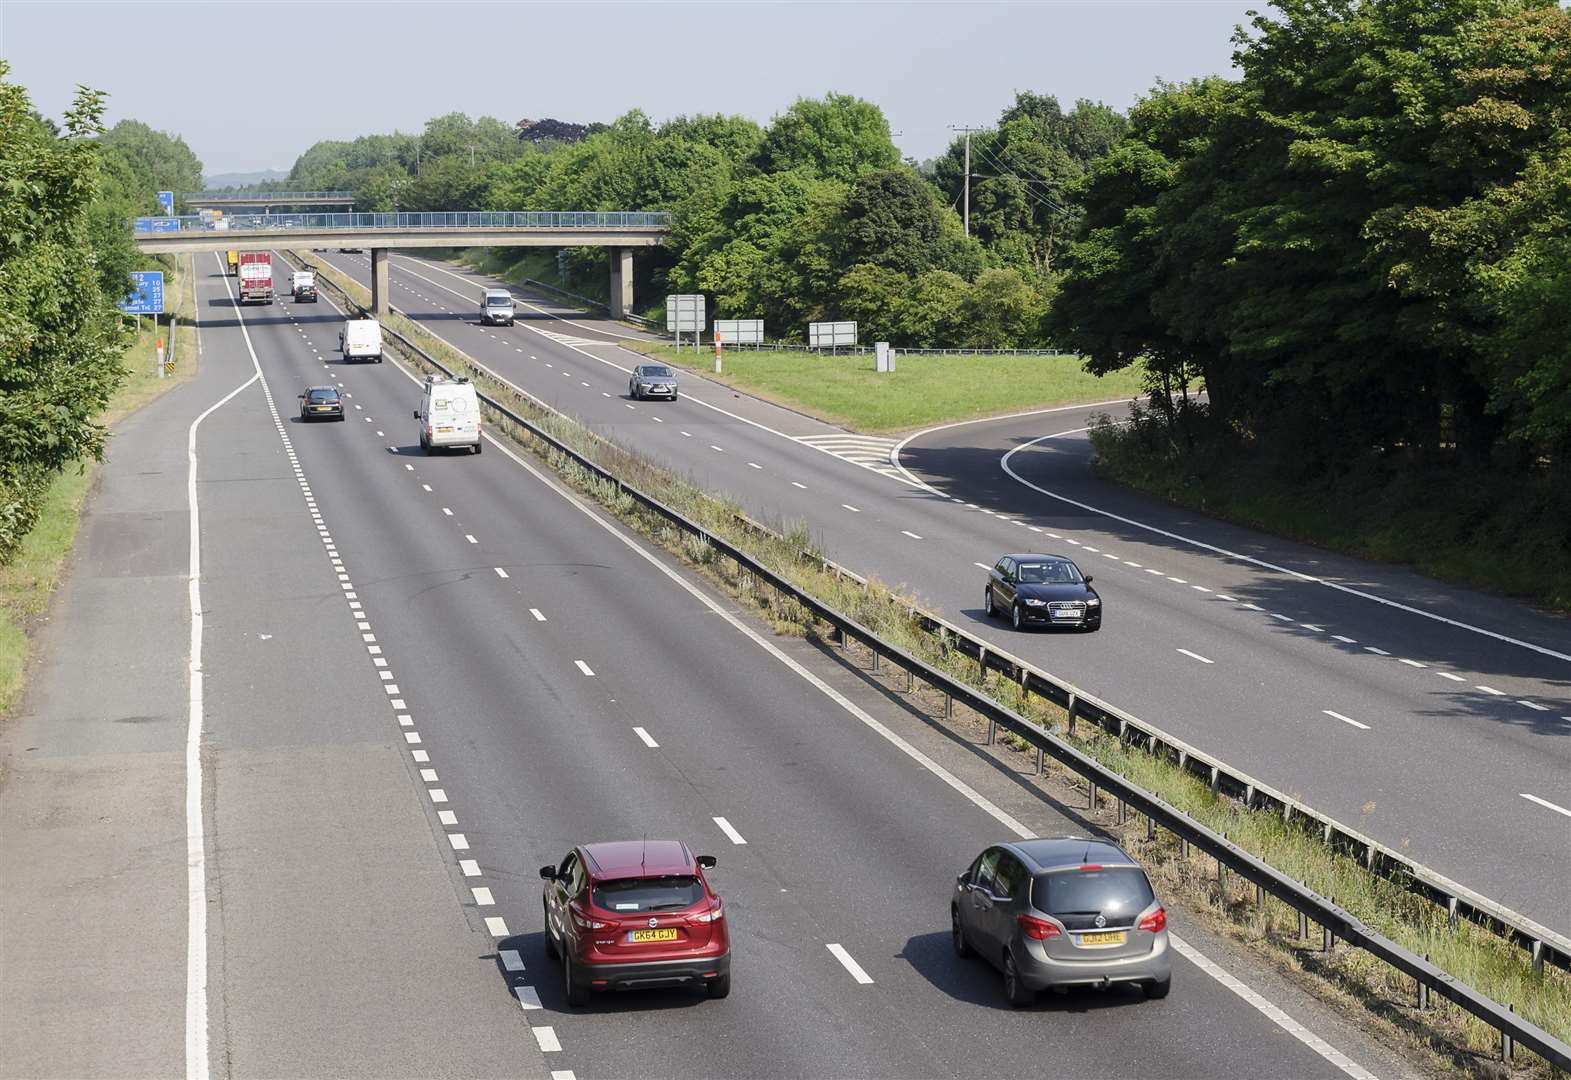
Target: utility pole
[965, 215]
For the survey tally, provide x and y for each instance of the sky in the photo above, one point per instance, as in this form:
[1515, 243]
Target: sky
[251, 85]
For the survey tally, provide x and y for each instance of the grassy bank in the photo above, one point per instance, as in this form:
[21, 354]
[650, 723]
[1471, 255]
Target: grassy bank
[29, 579]
[1459, 524]
[517, 265]
[1349, 979]
[922, 390]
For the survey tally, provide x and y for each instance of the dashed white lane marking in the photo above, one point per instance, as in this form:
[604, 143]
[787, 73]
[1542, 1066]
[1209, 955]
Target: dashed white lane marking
[983, 565]
[528, 998]
[585, 668]
[795, 484]
[1199, 588]
[657, 420]
[1270, 1011]
[469, 867]
[447, 512]
[426, 486]
[436, 793]
[911, 534]
[1311, 626]
[536, 613]
[1345, 719]
[647, 738]
[470, 538]
[511, 960]
[754, 465]
[851, 508]
[459, 842]
[562, 1074]
[687, 434]
[1410, 663]
[1490, 690]
[499, 571]
[496, 925]
[1377, 652]
[1448, 675]
[546, 1038]
[1284, 618]
[1545, 802]
[730, 831]
[447, 817]
[1535, 706]
[1196, 656]
[1344, 640]
[482, 895]
[981, 802]
[717, 449]
[846, 961]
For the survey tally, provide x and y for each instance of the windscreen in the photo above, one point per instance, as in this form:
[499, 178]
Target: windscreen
[1049, 573]
[1117, 893]
[671, 893]
[656, 372]
[498, 300]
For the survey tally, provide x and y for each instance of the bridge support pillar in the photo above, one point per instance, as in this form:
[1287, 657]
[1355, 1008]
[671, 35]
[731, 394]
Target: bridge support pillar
[621, 282]
[379, 287]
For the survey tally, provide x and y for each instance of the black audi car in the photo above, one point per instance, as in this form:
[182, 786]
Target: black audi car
[321, 403]
[1042, 590]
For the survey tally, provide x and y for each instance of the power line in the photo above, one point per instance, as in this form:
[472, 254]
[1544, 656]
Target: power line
[1041, 200]
[966, 217]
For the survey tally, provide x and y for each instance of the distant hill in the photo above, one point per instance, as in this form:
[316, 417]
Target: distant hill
[242, 179]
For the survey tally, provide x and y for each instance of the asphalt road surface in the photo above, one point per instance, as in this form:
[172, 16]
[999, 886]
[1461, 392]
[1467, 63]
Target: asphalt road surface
[1432, 718]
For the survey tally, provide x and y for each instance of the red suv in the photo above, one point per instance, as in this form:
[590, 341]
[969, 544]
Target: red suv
[634, 914]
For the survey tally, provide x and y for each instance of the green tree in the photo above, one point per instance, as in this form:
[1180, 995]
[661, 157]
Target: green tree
[59, 349]
[893, 219]
[158, 161]
[837, 137]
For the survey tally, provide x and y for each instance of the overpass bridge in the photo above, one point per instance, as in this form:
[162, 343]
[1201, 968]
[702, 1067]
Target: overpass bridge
[266, 200]
[620, 231]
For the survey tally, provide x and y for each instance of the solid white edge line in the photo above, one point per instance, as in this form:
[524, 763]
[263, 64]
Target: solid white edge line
[196, 1064]
[1214, 549]
[846, 961]
[1545, 802]
[980, 801]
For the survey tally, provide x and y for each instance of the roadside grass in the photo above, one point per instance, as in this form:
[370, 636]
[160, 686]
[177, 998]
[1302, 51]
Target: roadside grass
[1351, 979]
[29, 579]
[922, 390]
[1463, 524]
[517, 265]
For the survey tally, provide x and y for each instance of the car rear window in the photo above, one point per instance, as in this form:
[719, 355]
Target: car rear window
[324, 395]
[647, 894]
[1118, 893]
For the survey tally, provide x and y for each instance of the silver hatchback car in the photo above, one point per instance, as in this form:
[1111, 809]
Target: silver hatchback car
[1062, 911]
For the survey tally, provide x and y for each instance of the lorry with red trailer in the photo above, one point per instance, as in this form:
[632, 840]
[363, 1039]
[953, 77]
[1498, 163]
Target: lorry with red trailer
[256, 277]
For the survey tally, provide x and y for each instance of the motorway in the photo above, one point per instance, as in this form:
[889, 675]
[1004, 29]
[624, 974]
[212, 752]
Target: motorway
[1433, 718]
[425, 676]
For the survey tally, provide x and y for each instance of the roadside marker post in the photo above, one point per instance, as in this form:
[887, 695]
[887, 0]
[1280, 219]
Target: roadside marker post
[160, 358]
[717, 352]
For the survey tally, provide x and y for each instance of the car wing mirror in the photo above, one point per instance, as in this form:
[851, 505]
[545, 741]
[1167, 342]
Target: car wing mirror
[960, 880]
[417, 414]
[1089, 579]
[708, 862]
[548, 873]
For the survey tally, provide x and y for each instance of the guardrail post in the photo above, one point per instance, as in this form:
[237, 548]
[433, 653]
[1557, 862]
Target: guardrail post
[1303, 927]
[1073, 710]
[981, 662]
[1150, 827]
[1092, 804]
[875, 661]
[1041, 761]
[1183, 847]
[1505, 1042]
[1122, 810]
[1260, 898]
[1538, 958]
[1216, 778]
[949, 706]
[1221, 882]
[1451, 912]
[1423, 990]
[992, 730]
[910, 681]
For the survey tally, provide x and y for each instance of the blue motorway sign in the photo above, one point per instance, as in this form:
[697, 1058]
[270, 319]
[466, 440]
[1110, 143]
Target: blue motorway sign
[157, 224]
[147, 293]
[166, 199]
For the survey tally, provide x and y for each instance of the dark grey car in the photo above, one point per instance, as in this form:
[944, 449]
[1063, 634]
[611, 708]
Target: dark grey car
[652, 380]
[1061, 911]
[1044, 590]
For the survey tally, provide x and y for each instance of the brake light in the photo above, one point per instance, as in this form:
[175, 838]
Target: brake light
[582, 921]
[1037, 929]
[714, 914]
[1091, 866]
[1155, 922]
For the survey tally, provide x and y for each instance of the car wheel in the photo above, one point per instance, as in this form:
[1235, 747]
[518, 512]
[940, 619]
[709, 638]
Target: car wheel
[378, 358]
[1092, 628]
[1016, 991]
[552, 949]
[720, 987]
[1156, 989]
[476, 450]
[957, 936]
[987, 601]
[1014, 615]
[576, 989]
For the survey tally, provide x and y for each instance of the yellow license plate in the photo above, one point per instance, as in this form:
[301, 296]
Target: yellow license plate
[1110, 937]
[637, 936]
[444, 430]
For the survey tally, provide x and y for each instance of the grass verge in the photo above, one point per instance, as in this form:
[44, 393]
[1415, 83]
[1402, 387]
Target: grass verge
[1470, 525]
[923, 390]
[1446, 1037]
[29, 579]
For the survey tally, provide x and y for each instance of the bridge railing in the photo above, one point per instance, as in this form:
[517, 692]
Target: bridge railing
[267, 196]
[465, 219]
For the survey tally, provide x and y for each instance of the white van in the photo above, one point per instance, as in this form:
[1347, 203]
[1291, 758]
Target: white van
[449, 414]
[361, 339]
[496, 308]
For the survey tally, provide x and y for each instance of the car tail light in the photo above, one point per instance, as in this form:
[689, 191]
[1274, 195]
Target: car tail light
[1155, 922]
[1037, 929]
[582, 921]
[1091, 866]
[714, 914]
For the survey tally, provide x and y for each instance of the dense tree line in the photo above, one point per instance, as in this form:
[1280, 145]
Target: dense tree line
[66, 197]
[813, 216]
[1361, 250]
